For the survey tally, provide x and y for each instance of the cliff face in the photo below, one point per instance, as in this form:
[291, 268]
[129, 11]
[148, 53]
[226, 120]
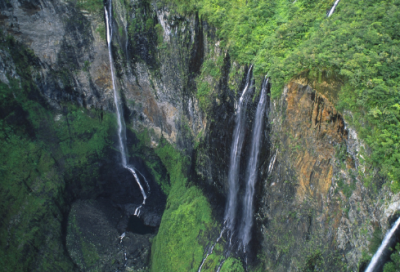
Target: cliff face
[69, 41]
[58, 57]
[314, 209]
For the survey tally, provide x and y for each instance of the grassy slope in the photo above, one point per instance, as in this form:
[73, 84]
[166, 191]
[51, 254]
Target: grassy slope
[187, 215]
[358, 44]
[185, 222]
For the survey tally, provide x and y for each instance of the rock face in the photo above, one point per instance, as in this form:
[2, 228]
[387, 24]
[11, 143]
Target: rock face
[95, 244]
[313, 128]
[314, 210]
[69, 41]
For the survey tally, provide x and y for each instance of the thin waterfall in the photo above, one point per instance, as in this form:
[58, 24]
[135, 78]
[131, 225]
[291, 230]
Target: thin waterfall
[121, 124]
[251, 174]
[333, 8]
[211, 249]
[375, 260]
[220, 265]
[237, 143]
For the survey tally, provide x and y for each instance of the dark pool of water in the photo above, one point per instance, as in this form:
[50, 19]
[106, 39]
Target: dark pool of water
[136, 225]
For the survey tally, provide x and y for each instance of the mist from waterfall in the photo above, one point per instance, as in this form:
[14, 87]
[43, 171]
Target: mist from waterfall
[121, 124]
[251, 173]
[236, 149]
[375, 260]
[333, 8]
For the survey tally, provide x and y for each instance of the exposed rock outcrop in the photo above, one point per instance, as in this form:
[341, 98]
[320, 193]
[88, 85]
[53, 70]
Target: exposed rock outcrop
[95, 244]
[314, 209]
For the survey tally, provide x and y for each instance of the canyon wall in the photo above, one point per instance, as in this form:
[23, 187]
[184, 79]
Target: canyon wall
[314, 208]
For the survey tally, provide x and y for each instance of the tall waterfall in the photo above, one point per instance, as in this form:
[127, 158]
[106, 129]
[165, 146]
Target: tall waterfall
[251, 174]
[236, 149]
[333, 8]
[237, 143]
[375, 260]
[121, 124]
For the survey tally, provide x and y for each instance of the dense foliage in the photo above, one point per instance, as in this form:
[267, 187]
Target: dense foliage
[186, 223]
[394, 265]
[357, 46]
[187, 215]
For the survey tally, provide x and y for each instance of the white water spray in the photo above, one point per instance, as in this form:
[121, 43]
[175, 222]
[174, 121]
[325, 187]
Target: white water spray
[333, 8]
[272, 163]
[121, 124]
[375, 260]
[251, 174]
[237, 143]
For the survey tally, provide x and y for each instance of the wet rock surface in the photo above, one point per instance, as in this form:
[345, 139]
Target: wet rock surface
[95, 244]
[149, 217]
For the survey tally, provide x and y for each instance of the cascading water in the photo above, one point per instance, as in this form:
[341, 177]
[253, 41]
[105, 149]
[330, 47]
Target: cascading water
[333, 8]
[211, 249]
[375, 260]
[251, 174]
[237, 143]
[121, 124]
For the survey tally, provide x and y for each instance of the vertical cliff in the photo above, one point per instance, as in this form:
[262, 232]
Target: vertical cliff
[316, 210]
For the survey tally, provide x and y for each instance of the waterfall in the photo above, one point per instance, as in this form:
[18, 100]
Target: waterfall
[333, 8]
[121, 124]
[251, 174]
[237, 143]
[220, 265]
[374, 262]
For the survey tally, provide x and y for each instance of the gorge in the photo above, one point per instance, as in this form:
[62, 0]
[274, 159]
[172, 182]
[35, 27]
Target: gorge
[142, 135]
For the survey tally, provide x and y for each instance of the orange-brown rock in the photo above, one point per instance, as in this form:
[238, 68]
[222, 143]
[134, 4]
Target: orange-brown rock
[313, 128]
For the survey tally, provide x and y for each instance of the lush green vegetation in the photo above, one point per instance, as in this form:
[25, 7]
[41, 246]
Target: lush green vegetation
[179, 244]
[358, 46]
[43, 153]
[141, 149]
[142, 30]
[91, 5]
[208, 79]
[186, 218]
[232, 265]
[394, 264]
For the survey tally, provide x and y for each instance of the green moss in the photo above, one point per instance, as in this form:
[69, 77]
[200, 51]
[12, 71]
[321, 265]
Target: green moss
[159, 30]
[90, 5]
[90, 254]
[186, 219]
[208, 79]
[232, 265]
[141, 149]
[42, 152]
[101, 30]
[376, 240]
[394, 264]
